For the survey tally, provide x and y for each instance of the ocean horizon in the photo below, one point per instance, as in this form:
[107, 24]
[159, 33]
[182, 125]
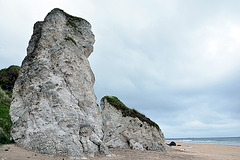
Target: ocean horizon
[209, 140]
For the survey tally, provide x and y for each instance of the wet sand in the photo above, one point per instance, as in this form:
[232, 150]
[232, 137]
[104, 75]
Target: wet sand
[187, 151]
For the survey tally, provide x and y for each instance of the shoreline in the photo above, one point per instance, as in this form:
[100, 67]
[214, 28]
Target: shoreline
[208, 140]
[186, 151]
[193, 142]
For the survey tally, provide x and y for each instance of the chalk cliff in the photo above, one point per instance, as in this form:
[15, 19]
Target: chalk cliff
[54, 109]
[127, 128]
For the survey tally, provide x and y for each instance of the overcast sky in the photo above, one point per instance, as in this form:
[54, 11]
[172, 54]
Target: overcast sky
[176, 61]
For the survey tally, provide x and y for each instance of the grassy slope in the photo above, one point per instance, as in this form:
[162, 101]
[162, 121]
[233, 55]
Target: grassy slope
[8, 77]
[114, 101]
[5, 120]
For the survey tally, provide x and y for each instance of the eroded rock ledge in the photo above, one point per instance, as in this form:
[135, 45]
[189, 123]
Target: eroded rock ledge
[127, 128]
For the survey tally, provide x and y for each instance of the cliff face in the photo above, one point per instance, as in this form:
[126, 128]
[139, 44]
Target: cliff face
[54, 109]
[127, 128]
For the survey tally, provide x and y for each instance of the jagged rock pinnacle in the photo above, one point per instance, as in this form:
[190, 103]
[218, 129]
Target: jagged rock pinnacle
[54, 109]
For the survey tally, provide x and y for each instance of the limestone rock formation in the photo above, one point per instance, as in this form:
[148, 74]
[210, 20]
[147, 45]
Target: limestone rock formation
[127, 128]
[54, 109]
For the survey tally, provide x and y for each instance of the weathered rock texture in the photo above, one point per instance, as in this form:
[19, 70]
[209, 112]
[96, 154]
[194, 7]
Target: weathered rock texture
[54, 109]
[127, 128]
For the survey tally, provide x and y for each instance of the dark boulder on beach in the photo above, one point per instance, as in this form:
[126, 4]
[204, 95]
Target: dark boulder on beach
[172, 143]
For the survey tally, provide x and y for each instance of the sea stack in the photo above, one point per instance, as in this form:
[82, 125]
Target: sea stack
[54, 109]
[127, 128]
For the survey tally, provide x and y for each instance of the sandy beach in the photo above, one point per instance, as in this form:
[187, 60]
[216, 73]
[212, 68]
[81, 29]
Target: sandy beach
[187, 151]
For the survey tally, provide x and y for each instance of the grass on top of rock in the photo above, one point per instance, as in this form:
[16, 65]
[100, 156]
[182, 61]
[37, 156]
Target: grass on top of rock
[115, 102]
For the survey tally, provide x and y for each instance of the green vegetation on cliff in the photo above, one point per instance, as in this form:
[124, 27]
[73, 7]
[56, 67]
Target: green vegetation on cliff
[71, 39]
[115, 102]
[5, 120]
[8, 77]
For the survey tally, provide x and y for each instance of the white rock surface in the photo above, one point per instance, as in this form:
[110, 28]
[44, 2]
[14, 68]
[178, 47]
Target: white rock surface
[54, 109]
[128, 132]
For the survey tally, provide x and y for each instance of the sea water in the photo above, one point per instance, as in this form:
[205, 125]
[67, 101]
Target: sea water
[215, 140]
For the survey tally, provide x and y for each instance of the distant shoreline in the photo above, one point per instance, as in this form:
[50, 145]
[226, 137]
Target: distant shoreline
[209, 140]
